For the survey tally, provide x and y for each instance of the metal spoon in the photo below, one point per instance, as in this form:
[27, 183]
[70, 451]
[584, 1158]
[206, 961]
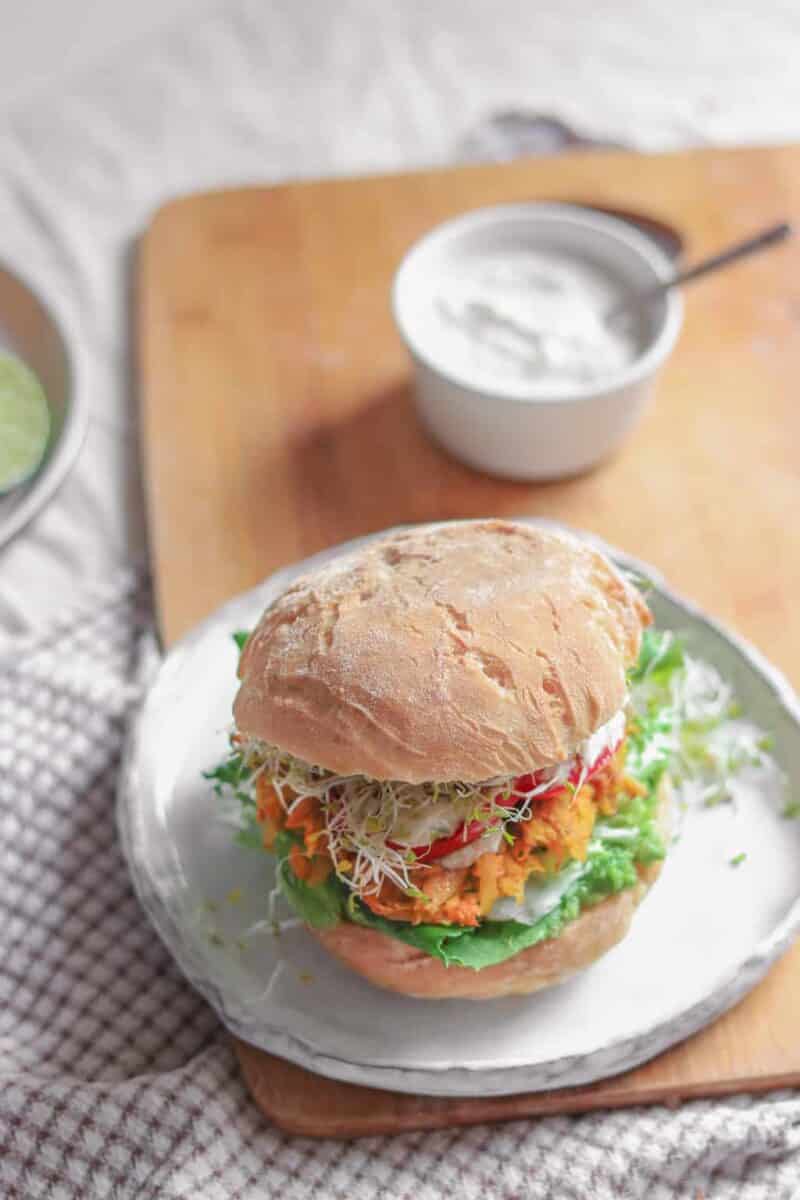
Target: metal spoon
[769, 237]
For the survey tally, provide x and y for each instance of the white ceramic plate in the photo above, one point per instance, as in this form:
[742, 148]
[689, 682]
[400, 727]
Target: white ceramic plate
[29, 329]
[704, 935]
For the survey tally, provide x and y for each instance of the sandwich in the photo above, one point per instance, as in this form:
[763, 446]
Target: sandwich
[437, 736]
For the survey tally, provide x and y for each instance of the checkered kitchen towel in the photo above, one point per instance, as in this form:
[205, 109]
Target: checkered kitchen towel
[116, 1079]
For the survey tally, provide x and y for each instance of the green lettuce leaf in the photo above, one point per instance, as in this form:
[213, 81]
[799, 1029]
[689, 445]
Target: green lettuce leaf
[321, 906]
[651, 741]
[611, 870]
[661, 654]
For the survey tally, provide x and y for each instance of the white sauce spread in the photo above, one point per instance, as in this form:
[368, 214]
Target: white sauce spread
[532, 317]
[605, 738]
[424, 823]
[538, 899]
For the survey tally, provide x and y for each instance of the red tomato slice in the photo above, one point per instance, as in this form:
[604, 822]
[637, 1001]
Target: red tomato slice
[441, 847]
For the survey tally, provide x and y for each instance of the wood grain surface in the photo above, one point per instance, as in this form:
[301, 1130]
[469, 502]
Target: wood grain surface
[277, 418]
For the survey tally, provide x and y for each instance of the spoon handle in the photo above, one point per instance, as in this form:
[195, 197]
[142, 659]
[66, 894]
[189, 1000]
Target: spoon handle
[776, 233]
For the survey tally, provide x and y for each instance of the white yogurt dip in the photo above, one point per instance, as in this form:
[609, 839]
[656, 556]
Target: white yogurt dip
[531, 316]
[515, 371]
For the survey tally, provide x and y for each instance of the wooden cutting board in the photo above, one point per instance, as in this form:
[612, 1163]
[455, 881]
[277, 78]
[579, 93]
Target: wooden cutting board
[277, 418]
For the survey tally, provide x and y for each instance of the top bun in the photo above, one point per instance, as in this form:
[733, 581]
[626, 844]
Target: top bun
[447, 652]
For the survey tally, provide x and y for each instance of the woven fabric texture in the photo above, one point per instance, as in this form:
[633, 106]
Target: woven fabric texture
[115, 1077]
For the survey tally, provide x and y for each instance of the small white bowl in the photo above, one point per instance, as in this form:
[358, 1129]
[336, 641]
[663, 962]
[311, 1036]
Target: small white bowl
[512, 427]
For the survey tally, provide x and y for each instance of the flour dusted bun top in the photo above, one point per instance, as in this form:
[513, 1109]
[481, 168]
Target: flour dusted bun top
[460, 651]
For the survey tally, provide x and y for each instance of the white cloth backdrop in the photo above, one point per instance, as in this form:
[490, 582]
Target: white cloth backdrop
[251, 90]
[262, 90]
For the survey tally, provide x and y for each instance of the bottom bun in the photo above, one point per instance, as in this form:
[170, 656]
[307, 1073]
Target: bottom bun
[398, 967]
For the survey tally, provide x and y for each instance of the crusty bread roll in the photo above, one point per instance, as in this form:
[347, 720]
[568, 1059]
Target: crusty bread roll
[450, 652]
[391, 964]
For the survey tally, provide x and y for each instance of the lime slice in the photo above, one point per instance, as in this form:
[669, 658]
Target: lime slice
[24, 422]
